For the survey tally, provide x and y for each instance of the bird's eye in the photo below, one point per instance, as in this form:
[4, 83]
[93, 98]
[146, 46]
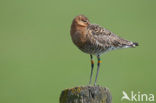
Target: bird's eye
[84, 20]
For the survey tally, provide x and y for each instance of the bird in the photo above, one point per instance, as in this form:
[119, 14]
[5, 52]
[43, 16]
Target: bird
[95, 40]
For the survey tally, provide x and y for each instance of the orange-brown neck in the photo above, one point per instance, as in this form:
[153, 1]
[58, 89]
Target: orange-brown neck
[78, 34]
[76, 27]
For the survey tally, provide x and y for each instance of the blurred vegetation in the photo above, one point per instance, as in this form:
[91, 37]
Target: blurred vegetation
[38, 58]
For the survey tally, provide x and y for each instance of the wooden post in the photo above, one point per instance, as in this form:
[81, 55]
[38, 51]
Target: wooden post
[86, 94]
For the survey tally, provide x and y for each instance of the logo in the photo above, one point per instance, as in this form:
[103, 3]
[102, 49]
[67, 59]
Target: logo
[137, 96]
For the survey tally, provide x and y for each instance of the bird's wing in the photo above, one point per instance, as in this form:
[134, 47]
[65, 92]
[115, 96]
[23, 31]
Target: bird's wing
[106, 38]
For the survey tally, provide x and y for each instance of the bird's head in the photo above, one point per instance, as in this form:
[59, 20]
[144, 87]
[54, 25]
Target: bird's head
[81, 21]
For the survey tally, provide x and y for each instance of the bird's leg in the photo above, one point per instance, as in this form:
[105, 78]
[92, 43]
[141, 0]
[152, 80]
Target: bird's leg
[92, 66]
[98, 67]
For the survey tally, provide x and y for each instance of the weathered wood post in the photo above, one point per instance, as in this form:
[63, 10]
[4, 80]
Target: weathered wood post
[86, 94]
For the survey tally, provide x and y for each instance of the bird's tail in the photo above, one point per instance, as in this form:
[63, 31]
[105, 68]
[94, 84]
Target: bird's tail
[134, 44]
[130, 44]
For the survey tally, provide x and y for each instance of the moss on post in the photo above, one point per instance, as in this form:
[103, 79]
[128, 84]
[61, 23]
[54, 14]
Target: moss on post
[86, 94]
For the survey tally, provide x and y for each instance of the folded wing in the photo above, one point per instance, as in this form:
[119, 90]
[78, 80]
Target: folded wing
[107, 39]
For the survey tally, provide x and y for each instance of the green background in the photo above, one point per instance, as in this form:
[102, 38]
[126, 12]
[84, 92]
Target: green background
[38, 58]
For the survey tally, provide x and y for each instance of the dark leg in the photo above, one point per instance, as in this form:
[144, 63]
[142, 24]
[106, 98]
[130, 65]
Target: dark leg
[98, 67]
[92, 66]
